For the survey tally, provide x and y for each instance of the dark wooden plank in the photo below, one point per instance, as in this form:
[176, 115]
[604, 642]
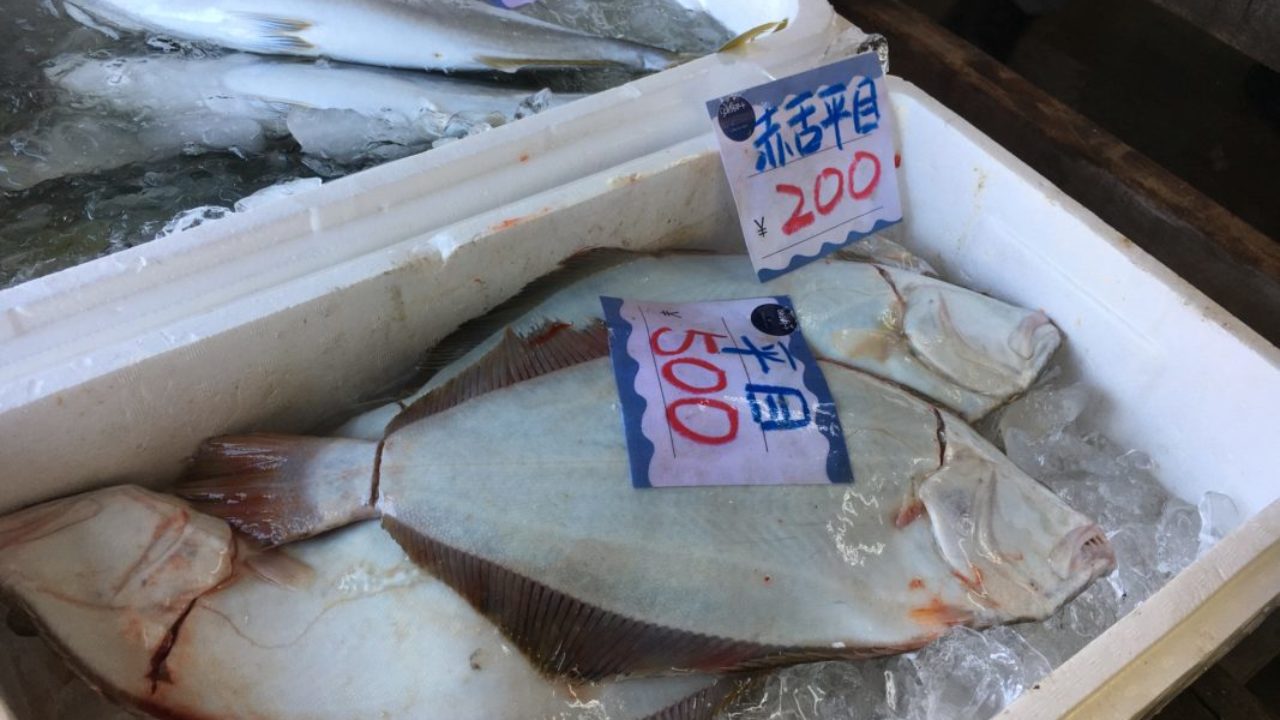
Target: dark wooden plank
[1250, 26]
[1228, 699]
[1184, 706]
[1214, 250]
[1265, 686]
[1258, 649]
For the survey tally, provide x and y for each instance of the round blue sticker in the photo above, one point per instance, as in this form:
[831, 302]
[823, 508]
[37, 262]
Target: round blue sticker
[737, 118]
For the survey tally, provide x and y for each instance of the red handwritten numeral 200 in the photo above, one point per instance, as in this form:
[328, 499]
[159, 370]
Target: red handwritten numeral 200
[801, 218]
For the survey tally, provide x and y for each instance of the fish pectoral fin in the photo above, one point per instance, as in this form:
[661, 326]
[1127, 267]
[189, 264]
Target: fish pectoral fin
[755, 32]
[281, 488]
[274, 33]
[279, 568]
[504, 64]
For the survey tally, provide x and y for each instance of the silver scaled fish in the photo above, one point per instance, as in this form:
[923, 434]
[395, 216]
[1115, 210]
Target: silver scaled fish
[167, 612]
[417, 34]
[510, 482]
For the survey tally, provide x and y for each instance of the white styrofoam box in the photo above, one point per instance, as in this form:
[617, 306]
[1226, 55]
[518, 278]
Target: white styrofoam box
[1179, 377]
[68, 337]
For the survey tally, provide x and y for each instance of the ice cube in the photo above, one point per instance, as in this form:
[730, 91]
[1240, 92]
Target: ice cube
[1177, 536]
[1045, 412]
[1218, 517]
[347, 137]
[971, 674]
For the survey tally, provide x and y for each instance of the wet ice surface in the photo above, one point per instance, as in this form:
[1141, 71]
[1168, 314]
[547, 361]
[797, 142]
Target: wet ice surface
[974, 674]
[64, 221]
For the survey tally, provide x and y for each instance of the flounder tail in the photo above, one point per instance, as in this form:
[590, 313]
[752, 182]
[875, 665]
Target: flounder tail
[281, 488]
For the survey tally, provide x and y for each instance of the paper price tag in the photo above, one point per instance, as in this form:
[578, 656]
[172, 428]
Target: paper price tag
[722, 393]
[810, 160]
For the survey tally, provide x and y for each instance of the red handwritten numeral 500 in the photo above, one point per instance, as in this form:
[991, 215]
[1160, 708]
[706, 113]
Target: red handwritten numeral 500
[801, 218]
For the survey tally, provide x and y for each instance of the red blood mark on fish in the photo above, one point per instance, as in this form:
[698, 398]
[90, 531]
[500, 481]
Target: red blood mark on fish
[974, 583]
[909, 513]
[897, 159]
[939, 613]
[545, 334]
[767, 579]
[916, 584]
[524, 157]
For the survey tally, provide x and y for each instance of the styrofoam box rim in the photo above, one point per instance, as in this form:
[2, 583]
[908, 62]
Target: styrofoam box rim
[1178, 375]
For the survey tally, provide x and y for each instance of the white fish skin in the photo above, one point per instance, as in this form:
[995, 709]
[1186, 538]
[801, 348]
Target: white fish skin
[967, 351]
[161, 609]
[521, 498]
[245, 85]
[162, 106]
[417, 34]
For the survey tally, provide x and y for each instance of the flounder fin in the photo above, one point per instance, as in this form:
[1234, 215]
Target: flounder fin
[474, 332]
[281, 488]
[515, 359]
[272, 33]
[280, 568]
[566, 636]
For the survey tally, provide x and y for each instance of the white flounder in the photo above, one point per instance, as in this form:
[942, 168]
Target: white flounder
[165, 611]
[511, 483]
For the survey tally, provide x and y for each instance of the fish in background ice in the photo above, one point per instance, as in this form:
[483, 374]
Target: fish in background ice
[432, 35]
[134, 109]
[967, 351]
[167, 612]
[511, 483]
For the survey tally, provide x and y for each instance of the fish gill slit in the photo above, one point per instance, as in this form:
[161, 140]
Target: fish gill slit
[376, 481]
[941, 434]
[884, 275]
[158, 672]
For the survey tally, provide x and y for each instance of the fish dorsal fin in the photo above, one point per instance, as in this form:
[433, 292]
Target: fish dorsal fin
[551, 347]
[753, 33]
[472, 333]
[272, 33]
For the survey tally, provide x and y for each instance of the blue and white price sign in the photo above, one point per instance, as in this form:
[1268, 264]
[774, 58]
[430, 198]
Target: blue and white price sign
[722, 393]
[811, 162]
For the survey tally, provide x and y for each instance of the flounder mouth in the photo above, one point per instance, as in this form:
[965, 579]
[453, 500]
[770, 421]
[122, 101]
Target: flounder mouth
[1085, 552]
[1035, 339]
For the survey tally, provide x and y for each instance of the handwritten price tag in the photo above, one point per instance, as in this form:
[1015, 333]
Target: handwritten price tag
[722, 393]
[810, 160]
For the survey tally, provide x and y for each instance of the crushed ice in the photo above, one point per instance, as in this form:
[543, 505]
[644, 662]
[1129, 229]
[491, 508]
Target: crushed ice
[974, 674]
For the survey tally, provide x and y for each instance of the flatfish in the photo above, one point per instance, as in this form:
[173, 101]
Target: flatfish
[165, 611]
[963, 350]
[510, 482]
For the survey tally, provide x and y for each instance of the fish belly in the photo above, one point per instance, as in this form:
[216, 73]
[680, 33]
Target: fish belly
[529, 487]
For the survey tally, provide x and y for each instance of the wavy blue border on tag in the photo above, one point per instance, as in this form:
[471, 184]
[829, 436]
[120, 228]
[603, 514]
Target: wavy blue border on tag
[640, 449]
[826, 416]
[798, 261]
